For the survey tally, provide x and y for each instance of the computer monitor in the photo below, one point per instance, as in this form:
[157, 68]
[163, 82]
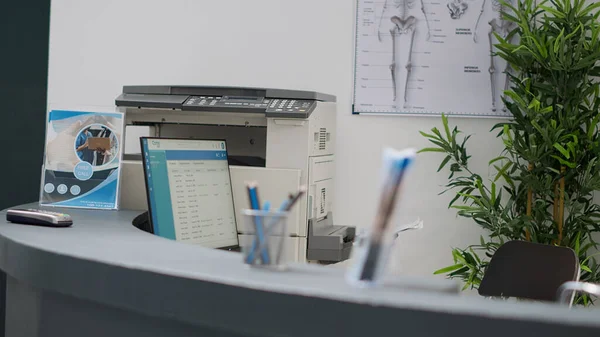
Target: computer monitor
[189, 191]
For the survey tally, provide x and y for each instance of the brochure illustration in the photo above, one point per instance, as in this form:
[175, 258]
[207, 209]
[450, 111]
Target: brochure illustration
[82, 159]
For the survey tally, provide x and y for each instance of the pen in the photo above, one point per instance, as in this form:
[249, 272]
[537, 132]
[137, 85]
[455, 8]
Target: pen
[270, 227]
[386, 207]
[255, 205]
[295, 198]
[288, 204]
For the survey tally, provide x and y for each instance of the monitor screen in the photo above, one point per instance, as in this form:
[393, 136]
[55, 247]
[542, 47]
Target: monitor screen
[189, 191]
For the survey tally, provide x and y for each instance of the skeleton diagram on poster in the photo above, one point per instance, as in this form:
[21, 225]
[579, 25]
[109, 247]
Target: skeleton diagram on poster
[427, 57]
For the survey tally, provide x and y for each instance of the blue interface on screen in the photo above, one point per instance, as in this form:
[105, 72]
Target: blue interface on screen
[189, 191]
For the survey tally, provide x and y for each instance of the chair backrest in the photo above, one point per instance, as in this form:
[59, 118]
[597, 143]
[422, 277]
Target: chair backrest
[529, 270]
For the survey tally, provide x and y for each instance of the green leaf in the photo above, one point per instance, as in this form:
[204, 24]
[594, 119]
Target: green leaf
[553, 170]
[458, 272]
[475, 256]
[592, 127]
[508, 5]
[458, 257]
[568, 37]
[589, 257]
[571, 147]
[496, 159]
[589, 9]
[470, 280]
[466, 208]
[447, 269]
[437, 133]
[534, 105]
[446, 127]
[588, 246]
[586, 268]
[553, 11]
[444, 162]
[508, 17]
[426, 135]
[562, 150]
[431, 149]
[516, 98]
[564, 162]
[441, 145]
[502, 171]
[540, 46]
[557, 42]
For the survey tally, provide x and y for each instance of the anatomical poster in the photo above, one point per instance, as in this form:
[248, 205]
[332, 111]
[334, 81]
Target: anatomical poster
[427, 57]
[82, 159]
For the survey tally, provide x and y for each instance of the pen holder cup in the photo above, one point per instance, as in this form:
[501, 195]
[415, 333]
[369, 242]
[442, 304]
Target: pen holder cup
[370, 257]
[265, 245]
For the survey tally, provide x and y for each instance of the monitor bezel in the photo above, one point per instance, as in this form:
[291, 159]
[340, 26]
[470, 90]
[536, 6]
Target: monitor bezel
[150, 217]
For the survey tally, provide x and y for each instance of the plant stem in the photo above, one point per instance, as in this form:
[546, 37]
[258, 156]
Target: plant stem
[561, 206]
[555, 204]
[529, 204]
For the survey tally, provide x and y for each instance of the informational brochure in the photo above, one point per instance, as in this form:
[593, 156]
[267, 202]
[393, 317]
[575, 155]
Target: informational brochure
[82, 159]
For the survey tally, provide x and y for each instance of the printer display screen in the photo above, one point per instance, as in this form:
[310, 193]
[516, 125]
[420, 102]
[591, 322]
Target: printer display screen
[189, 191]
[242, 99]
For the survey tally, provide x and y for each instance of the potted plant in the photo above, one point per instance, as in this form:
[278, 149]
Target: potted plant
[549, 168]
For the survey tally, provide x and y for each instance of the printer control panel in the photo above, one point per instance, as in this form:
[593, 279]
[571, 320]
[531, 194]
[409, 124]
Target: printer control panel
[289, 106]
[272, 107]
[224, 101]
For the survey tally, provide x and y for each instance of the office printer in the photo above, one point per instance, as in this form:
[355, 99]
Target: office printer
[282, 139]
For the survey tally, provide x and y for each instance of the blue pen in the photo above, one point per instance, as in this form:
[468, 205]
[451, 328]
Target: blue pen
[397, 164]
[255, 204]
[285, 207]
[266, 207]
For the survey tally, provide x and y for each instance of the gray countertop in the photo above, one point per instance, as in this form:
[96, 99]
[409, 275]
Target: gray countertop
[103, 258]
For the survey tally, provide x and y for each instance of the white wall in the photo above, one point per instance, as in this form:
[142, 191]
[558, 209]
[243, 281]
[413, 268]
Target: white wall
[96, 47]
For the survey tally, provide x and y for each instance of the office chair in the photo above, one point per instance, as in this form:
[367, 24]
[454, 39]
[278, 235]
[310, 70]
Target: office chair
[530, 271]
[568, 289]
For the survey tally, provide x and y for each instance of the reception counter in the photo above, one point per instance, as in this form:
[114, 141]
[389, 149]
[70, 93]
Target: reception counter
[104, 277]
